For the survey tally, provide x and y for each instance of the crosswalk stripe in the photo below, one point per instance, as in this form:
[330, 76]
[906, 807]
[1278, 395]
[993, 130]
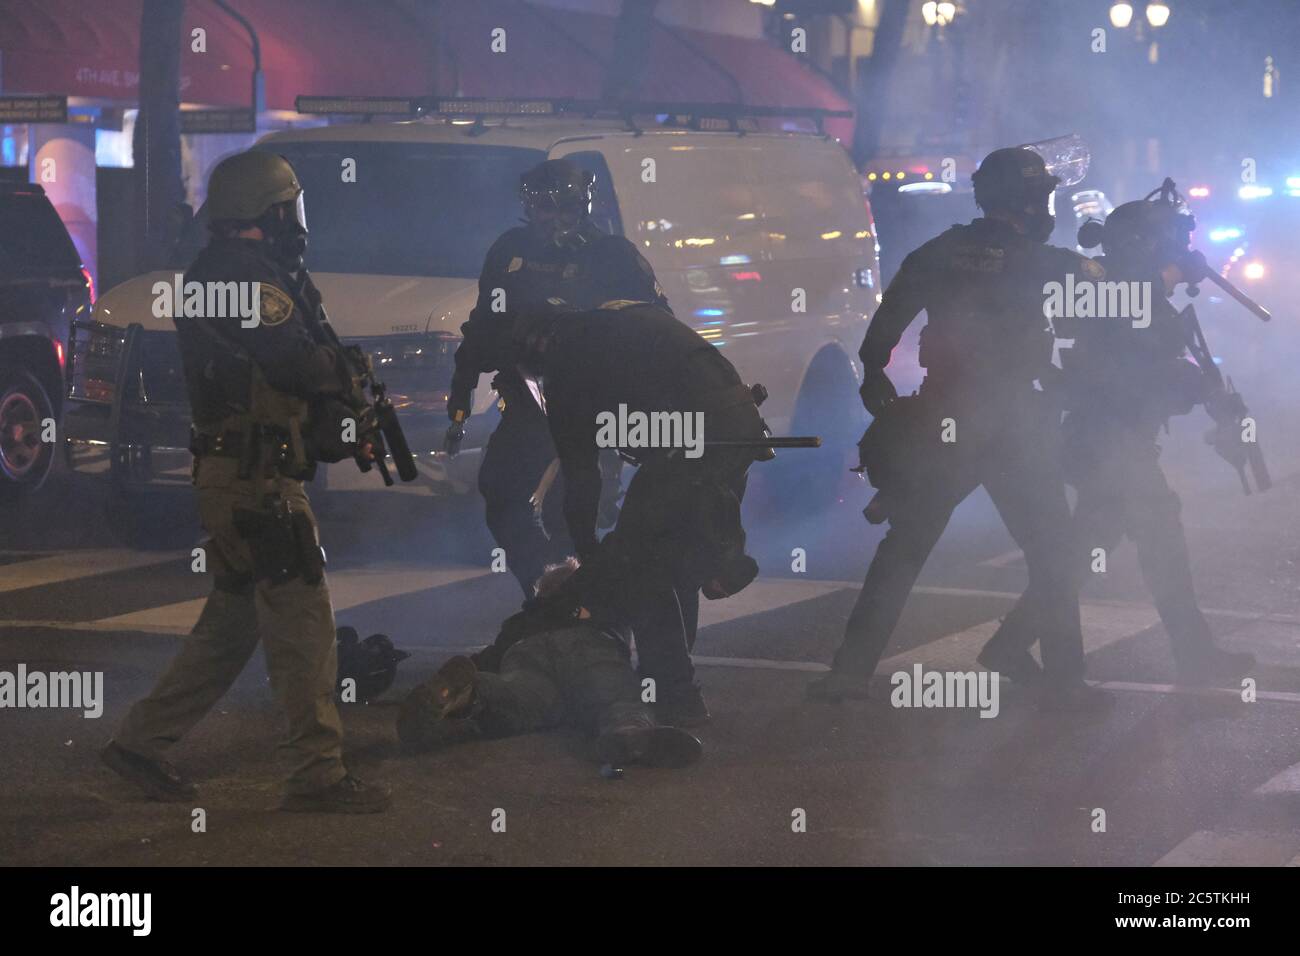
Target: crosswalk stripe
[1102, 625]
[763, 595]
[1230, 613]
[756, 663]
[1233, 848]
[73, 565]
[1009, 559]
[1288, 781]
[348, 589]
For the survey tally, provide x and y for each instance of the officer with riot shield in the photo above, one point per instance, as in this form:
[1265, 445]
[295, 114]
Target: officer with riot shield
[1124, 377]
[271, 393]
[558, 252]
[977, 420]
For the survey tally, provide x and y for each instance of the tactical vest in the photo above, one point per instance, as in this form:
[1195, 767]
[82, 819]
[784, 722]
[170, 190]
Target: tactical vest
[266, 432]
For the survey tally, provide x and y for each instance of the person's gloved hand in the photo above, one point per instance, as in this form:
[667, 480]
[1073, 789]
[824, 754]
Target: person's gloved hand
[1193, 267]
[877, 391]
[455, 435]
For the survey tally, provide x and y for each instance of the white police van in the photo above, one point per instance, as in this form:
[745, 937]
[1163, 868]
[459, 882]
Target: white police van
[762, 240]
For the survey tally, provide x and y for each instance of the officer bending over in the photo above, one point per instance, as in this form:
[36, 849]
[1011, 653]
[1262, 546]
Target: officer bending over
[266, 402]
[559, 252]
[680, 528]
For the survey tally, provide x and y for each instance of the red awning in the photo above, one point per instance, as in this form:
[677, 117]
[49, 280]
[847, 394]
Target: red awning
[341, 47]
[308, 46]
[556, 53]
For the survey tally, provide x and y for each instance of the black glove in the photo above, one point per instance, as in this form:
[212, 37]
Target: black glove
[455, 435]
[877, 391]
[1193, 267]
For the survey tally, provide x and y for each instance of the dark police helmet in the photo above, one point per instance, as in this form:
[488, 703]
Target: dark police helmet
[557, 185]
[371, 663]
[244, 186]
[1014, 179]
[1149, 230]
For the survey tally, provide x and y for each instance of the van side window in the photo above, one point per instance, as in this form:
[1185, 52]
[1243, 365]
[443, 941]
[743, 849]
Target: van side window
[604, 207]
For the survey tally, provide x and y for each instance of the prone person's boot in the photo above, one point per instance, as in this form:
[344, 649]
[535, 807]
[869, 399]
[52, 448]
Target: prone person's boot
[437, 714]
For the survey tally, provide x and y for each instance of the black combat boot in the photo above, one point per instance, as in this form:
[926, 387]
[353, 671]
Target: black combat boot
[648, 746]
[349, 795]
[157, 778]
[682, 706]
[1017, 666]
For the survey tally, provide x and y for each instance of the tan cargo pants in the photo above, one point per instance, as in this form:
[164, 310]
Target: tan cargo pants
[294, 620]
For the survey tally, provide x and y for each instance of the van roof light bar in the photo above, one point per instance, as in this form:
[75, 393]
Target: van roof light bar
[701, 115]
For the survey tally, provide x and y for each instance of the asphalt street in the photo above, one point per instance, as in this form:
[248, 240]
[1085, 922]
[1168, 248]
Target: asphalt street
[1179, 775]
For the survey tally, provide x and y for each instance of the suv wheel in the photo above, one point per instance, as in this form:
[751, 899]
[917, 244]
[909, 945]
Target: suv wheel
[25, 460]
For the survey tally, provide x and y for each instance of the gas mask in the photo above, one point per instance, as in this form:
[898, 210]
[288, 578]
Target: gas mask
[1040, 219]
[285, 227]
[558, 226]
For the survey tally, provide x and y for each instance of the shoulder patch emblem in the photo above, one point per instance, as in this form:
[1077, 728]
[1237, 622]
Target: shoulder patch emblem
[516, 263]
[275, 304]
[1093, 269]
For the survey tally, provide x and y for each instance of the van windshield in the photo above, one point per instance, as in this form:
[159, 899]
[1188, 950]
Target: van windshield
[415, 209]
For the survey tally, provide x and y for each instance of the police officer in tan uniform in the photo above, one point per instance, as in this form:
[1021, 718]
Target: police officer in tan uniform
[268, 395]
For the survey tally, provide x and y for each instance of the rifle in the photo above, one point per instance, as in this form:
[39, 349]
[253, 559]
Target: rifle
[379, 421]
[1225, 404]
[1228, 409]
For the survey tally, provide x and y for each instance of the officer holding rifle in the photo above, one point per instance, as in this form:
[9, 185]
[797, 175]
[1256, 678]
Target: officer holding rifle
[269, 399]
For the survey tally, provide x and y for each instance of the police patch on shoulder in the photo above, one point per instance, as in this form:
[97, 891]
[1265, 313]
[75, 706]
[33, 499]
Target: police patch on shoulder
[275, 304]
[1092, 268]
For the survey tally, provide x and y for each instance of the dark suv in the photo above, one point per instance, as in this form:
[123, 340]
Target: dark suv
[43, 290]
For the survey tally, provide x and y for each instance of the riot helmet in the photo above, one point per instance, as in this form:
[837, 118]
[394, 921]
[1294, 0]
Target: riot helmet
[557, 196]
[258, 188]
[1149, 233]
[1016, 180]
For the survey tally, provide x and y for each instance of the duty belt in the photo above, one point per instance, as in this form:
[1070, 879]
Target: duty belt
[225, 444]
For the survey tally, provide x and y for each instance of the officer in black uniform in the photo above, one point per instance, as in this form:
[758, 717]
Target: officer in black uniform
[559, 252]
[679, 529]
[986, 343]
[1124, 378]
[269, 396]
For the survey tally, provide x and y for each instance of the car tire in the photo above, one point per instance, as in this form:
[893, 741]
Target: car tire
[25, 460]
